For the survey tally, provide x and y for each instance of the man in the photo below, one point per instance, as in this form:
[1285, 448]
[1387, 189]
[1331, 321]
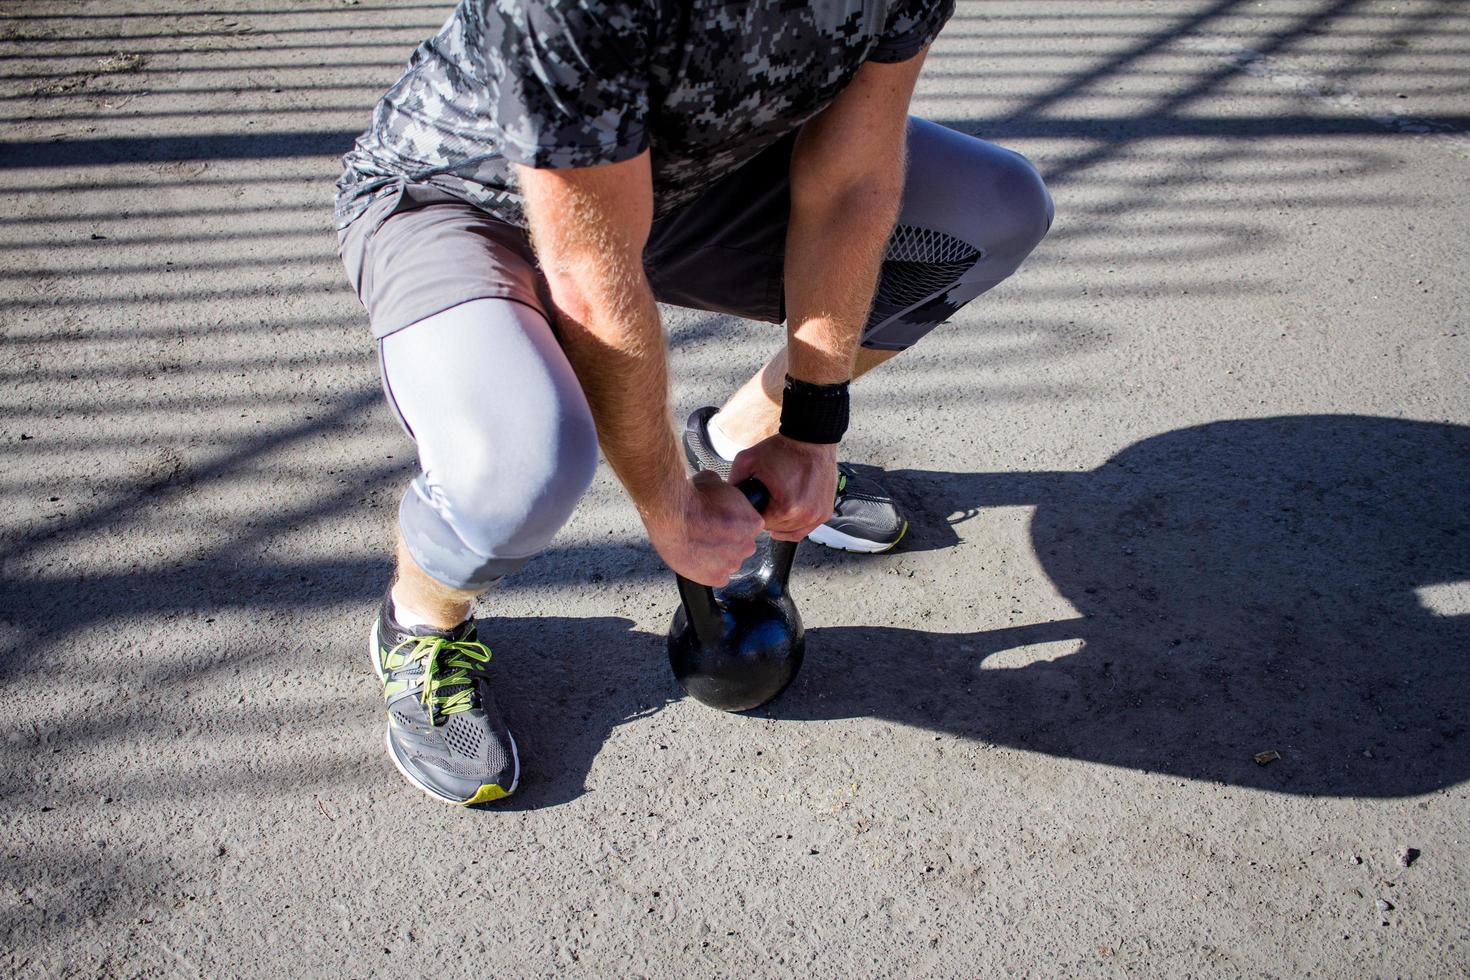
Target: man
[540, 177]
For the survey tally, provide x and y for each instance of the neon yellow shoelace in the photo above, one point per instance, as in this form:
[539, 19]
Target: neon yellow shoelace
[454, 660]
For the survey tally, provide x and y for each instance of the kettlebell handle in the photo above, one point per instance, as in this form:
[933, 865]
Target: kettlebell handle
[780, 554]
[699, 600]
[755, 491]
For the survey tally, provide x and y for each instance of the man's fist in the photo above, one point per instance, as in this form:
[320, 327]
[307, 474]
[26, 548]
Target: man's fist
[705, 530]
[802, 478]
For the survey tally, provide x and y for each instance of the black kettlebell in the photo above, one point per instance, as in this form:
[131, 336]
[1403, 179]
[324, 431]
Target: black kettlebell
[738, 647]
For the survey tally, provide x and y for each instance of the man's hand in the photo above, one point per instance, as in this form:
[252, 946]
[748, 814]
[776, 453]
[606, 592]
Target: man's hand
[706, 530]
[802, 478]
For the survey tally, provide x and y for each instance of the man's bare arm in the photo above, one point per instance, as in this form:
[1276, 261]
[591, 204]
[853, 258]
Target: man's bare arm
[589, 226]
[847, 178]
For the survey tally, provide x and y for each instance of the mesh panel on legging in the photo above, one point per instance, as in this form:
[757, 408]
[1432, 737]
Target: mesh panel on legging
[918, 264]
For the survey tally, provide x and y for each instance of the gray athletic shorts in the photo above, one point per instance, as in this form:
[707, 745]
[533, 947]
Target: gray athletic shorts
[422, 250]
[971, 212]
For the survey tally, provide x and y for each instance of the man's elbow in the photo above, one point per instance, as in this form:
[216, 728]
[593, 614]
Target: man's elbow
[874, 193]
[596, 288]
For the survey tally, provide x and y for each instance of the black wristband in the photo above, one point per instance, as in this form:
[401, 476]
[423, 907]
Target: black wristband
[814, 413]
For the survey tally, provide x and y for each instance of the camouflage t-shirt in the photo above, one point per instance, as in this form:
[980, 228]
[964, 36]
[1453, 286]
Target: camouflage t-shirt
[704, 84]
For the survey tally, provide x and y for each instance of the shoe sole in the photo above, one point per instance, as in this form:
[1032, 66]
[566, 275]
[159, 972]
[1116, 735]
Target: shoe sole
[838, 541]
[515, 752]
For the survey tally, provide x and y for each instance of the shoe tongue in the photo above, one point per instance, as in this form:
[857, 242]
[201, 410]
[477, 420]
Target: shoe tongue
[464, 631]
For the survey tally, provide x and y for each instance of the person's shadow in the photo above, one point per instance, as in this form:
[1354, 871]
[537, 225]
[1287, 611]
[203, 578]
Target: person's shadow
[1295, 585]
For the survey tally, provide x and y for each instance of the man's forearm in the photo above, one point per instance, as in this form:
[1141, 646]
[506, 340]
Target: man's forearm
[616, 346]
[834, 251]
[588, 233]
[589, 226]
[847, 178]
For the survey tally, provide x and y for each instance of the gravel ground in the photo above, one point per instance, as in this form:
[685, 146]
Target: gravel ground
[1170, 673]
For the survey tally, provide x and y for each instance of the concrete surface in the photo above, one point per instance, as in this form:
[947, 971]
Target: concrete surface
[1193, 486]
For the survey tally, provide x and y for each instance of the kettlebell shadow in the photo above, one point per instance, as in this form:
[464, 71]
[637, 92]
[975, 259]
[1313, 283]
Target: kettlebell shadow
[1297, 584]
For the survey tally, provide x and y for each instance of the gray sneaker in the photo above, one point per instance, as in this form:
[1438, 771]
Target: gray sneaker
[864, 518]
[445, 733]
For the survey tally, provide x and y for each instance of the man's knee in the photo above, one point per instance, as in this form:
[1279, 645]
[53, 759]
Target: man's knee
[958, 237]
[977, 193]
[508, 494]
[505, 438]
[1018, 210]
